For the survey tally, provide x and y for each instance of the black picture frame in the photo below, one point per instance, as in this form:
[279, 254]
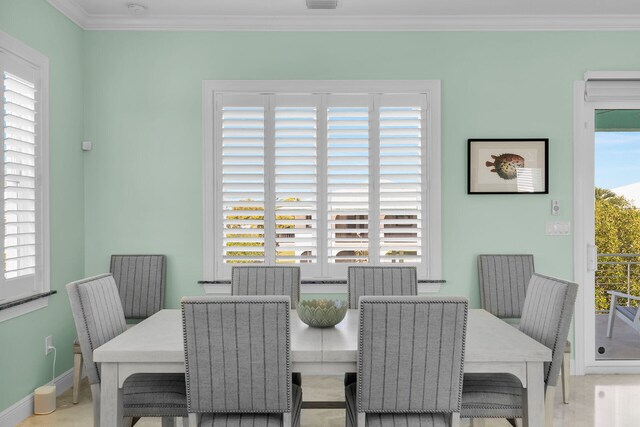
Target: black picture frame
[508, 166]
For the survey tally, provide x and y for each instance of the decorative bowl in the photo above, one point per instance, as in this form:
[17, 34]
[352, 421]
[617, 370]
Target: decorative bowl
[322, 313]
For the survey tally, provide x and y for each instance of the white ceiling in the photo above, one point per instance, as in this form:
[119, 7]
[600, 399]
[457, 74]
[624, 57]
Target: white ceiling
[356, 14]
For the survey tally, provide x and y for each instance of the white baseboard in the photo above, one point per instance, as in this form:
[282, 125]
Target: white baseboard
[23, 408]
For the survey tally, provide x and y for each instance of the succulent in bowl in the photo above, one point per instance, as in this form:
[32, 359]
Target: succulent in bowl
[322, 313]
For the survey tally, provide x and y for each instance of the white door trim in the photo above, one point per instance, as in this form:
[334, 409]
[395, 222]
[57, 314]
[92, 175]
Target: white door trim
[579, 243]
[583, 217]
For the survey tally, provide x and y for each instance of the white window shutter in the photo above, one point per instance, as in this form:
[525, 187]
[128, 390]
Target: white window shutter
[348, 178]
[296, 179]
[322, 181]
[22, 242]
[401, 179]
[241, 179]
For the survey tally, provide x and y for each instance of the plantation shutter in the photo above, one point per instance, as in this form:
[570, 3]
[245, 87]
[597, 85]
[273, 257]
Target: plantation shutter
[348, 178]
[296, 178]
[241, 183]
[21, 138]
[320, 180]
[401, 177]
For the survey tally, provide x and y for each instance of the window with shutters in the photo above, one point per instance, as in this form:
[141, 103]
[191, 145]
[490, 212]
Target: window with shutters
[24, 98]
[322, 175]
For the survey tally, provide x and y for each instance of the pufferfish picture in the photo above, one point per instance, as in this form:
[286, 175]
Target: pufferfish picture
[506, 165]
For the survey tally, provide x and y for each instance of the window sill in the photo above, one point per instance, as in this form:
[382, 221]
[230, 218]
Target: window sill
[15, 308]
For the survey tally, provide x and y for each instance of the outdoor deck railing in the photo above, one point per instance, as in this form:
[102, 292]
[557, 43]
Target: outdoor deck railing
[619, 272]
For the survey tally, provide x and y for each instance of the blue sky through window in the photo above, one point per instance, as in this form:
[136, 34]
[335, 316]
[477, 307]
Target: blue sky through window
[617, 159]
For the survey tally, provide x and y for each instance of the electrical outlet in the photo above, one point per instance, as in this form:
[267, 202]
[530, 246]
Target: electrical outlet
[48, 345]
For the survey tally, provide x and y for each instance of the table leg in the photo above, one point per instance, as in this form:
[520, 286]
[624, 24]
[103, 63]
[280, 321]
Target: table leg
[534, 396]
[111, 413]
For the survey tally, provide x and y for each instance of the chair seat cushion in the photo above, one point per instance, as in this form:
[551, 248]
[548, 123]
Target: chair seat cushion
[255, 420]
[491, 396]
[155, 395]
[390, 420]
[628, 312]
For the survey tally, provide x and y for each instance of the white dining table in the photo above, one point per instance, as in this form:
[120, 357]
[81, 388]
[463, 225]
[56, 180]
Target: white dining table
[156, 345]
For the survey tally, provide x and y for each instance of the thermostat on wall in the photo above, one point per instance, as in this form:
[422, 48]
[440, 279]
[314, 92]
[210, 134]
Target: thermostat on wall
[87, 145]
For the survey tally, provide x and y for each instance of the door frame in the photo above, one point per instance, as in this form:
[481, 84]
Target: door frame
[583, 217]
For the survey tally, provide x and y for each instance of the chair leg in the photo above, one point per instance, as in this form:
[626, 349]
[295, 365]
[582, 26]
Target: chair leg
[95, 398]
[612, 315]
[168, 422]
[127, 422]
[185, 421]
[566, 374]
[549, 398]
[77, 376]
[194, 420]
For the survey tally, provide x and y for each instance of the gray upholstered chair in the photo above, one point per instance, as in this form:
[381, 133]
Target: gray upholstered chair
[238, 365]
[503, 285]
[266, 280]
[98, 316]
[410, 362]
[141, 281]
[546, 316]
[378, 281]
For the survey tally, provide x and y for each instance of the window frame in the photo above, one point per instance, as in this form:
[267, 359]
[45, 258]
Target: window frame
[40, 63]
[432, 203]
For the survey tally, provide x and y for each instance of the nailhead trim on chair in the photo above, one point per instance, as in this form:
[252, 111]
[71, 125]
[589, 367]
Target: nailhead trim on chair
[400, 299]
[235, 300]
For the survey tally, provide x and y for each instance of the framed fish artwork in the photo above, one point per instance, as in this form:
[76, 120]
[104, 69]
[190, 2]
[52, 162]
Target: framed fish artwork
[508, 166]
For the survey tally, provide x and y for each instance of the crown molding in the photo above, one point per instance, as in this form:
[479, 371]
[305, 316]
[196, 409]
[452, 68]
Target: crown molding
[347, 23]
[71, 10]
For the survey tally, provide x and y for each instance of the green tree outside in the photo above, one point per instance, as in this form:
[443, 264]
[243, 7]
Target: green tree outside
[617, 224]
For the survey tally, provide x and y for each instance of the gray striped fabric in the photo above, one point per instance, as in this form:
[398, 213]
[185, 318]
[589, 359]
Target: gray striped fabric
[155, 395]
[377, 281]
[546, 317]
[503, 283]
[391, 420]
[411, 352]
[141, 282]
[255, 420]
[266, 280]
[491, 396]
[97, 313]
[237, 354]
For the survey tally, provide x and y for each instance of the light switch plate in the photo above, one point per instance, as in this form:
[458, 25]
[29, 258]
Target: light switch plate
[558, 228]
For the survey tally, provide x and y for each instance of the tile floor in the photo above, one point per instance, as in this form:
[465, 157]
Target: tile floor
[597, 400]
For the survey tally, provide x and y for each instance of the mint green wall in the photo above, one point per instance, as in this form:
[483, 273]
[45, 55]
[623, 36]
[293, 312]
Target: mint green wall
[143, 96]
[140, 189]
[23, 366]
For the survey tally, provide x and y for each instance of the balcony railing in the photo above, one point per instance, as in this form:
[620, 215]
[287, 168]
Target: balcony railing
[619, 272]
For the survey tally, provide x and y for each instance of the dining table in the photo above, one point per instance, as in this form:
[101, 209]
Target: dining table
[156, 346]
